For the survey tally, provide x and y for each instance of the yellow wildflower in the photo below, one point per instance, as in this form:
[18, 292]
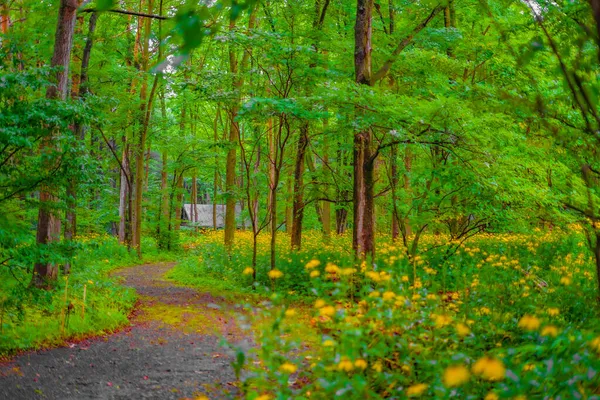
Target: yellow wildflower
[348, 271]
[360, 364]
[389, 295]
[378, 367]
[374, 276]
[328, 343]
[275, 274]
[314, 274]
[345, 365]
[462, 329]
[416, 390]
[442, 320]
[456, 375]
[327, 311]
[528, 367]
[248, 271]
[290, 312]
[319, 303]
[332, 268]
[491, 396]
[489, 368]
[405, 278]
[529, 322]
[549, 330]
[288, 368]
[566, 280]
[312, 264]
[553, 312]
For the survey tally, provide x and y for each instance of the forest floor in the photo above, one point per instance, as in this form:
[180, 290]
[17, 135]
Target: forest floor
[171, 350]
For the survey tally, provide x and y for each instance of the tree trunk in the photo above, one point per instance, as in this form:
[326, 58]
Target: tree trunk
[140, 146]
[216, 172]
[4, 20]
[179, 202]
[124, 194]
[163, 228]
[79, 90]
[326, 205]
[363, 235]
[230, 182]
[194, 200]
[289, 203]
[394, 185]
[298, 206]
[597, 259]
[48, 229]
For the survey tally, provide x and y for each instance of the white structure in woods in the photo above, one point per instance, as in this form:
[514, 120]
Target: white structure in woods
[204, 215]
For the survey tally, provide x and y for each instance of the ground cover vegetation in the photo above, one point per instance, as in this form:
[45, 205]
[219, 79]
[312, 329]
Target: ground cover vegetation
[407, 191]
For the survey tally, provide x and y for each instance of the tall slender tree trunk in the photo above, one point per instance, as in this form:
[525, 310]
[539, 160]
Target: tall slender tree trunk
[326, 205]
[179, 202]
[140, 146]
[194, 200]
[163, 229]
[234, 133]
[230, 181]
[394, 185]
[216, 172]
[4, 19]
[125, 197]
[79, 90]
[363, 234]
[298, 206]
[289, 202]
[48, 229]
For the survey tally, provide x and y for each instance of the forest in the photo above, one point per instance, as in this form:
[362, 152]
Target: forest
[277, 199]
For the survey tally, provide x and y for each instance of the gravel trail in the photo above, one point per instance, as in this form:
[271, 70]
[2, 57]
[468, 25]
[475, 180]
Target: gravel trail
[170, 351]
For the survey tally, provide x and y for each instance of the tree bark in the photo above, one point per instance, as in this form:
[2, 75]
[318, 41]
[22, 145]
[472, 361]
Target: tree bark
[140, 146]
[298, 204]
[48, 229]
[78, 91]
[363, 227]
[234, 132]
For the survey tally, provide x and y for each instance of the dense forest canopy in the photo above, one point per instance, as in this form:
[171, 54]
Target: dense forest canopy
[422, 125]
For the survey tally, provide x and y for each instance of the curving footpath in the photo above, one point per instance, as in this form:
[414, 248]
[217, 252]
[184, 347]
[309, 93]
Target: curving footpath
[171, 351]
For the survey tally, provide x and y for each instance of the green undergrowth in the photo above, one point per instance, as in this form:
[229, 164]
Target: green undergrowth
[31, 318]
[503, 315]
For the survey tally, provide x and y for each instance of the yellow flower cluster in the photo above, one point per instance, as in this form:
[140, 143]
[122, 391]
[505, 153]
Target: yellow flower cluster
[275, 274]
[456, 375]
[489, 368]
[416, 390]
[378, 276]
[529, 323]
[288, 368]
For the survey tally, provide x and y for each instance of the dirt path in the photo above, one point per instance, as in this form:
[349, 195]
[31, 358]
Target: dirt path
[171, 351]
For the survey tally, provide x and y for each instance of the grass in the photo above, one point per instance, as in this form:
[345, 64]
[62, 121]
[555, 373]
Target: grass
[33, 318]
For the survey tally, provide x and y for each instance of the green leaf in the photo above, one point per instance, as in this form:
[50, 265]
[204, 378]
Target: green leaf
[104, 5]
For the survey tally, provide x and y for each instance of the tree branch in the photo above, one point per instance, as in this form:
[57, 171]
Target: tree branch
[125, 12]
[385, 68]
